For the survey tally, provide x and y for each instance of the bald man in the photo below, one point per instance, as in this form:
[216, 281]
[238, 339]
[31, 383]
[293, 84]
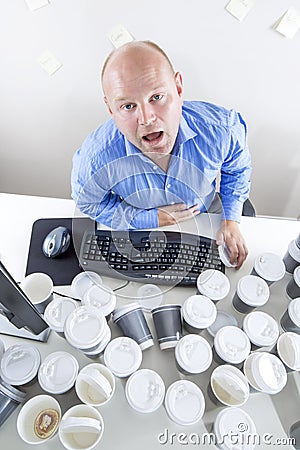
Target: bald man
[156, 161]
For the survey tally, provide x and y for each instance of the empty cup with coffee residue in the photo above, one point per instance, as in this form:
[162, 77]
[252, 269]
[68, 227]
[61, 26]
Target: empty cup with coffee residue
[228, 386]
[95, 384]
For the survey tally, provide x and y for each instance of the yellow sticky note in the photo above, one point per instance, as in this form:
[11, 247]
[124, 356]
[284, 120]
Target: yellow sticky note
[49, 62]
[289, 24]
[119, 35]
[240, 8]
[35, 4]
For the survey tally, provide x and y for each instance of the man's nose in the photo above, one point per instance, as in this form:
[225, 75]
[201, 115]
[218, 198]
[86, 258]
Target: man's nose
[146, 115]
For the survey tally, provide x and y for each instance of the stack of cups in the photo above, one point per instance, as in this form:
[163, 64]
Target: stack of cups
[265, 372]
[193, 354]
[10, 399]
[198, 313]
[58, 372]
[132, 322]
[292, 257]
[102, 298]
[123, 356]
[87, 330]
[288, 350]
[20, 364]
[261, 328]
[231, 345]
[57, 312]
[269, 266]
[168, 325]
[228, 386]
[290, 321]
[213, 284]
[145, 391]
[293, 286]
[251, 292]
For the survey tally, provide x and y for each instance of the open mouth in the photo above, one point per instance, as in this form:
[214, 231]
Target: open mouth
[153, 138]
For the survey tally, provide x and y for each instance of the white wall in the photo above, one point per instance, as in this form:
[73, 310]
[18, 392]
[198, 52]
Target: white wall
[245, 65]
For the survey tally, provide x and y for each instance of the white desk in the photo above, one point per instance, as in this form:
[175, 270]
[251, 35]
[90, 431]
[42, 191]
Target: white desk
[125, 428]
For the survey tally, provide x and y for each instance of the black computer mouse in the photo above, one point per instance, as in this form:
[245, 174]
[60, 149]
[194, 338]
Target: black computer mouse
[56, 242]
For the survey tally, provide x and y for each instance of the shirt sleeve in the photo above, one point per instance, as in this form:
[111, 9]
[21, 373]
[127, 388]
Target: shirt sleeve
[236, 169]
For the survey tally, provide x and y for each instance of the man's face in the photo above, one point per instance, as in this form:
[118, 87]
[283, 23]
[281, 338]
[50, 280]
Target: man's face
[144, 97]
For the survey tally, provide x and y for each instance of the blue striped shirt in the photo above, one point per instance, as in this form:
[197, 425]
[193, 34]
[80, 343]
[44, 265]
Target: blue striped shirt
[115, 184]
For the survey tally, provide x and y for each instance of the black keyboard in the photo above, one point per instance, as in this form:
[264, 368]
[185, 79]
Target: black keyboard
[151, 256]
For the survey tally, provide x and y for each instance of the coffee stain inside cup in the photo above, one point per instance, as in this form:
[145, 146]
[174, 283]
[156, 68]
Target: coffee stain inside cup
[46, 423]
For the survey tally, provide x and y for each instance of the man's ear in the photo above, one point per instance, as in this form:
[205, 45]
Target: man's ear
[107, 105]
[179, 84]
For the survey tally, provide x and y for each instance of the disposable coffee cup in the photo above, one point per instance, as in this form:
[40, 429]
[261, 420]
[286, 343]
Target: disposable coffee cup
[38, 419]
[291, 258]
[294, 433]
[231, 345]
[193, 354]
[57, 312]
[293, 286]
[101, 297]
[10, 399]
[288, 349]
[19, 365]
[87, 330]
[261, 328]
[38, 287]
[269, 266]
[223, 319]
[168, 325]
[83, 281]
[229, 431]
[297, 240]
[228, 386]
[81, 428]
[225, 256]
[2, 348]
[213, 284]
[123, 356]
[145, 391]
[290, 321]
[149, 296]
[132, 322]
[198, 313]
[251, 292]
[58, 372]
[95, 384]
[265, 372]
[184, 402]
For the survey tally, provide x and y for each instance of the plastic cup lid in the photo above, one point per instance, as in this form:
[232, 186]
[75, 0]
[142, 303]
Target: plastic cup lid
[269, 266]
[294, 311]
[214, 284]
[12, 392]
[253, 290]
[85, 327]
[229, 385]
[232, 344]
[57, 311]
[288, 347]
[101, 297]
[222, 320]
[296, 276]
[184, 402]
[83, 281]
[269, 373]
[123, 356]
[261, 328]
[58, 372]
[225, 255]
[19, 364]
[294, 250]
[228, 430]
[248, 370]
[145, 390]
[199, 311]
[193, 353]
[149, 296]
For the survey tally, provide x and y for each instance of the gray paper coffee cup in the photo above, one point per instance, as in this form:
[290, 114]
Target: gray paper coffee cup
[168, 325]
[293, 286]
[291, 258]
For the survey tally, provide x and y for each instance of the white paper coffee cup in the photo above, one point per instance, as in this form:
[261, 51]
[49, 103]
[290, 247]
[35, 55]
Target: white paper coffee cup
[95, 384]
[229, 432]
[228, 386]
[123, 356]
[213, 284]
[57, 312]
[269, 266]
[19, 364]
[231, 345]
[145, 390]
[38, 287]
[101, 297]
[58, 372]
[198, 313]
[193, 354]
[83, 281]
[251, 292]
[288, 349]
[261, 328]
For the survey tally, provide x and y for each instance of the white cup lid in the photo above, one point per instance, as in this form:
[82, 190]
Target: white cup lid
[145, 390]
[199, 311]
[193, 353]
[123, 356]
[149, 296]
[85, 327]
[261, 328]
[184, 402]
[296, 276]
[229, 385]
[269, 373]
[232, 344]
[57, 311]
[294, 311]
[19, 364]
[58, 372]
[214, 284]
[223, 318]
[101, 297]
[253, 290]
[269, 266]
[228, 430]
[288, 347]
[225, 255]
[83, 281]
[247, 368]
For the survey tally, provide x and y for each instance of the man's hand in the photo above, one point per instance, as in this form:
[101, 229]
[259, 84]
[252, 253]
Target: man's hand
[171, 214]
[231, 235]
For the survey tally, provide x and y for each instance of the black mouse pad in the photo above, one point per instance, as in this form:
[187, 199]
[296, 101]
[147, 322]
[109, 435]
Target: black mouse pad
[65, 267]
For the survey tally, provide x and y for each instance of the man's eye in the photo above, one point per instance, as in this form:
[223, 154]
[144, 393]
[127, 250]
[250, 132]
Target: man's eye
[157, 97]
[128, 107]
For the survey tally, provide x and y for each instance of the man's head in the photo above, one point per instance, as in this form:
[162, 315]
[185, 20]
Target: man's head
[143, 95]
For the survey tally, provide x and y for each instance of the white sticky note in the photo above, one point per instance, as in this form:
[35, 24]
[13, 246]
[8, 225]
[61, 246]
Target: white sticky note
[36, 4]
[289, 24]
[240, 8]
[49, 62]
[119, 35]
